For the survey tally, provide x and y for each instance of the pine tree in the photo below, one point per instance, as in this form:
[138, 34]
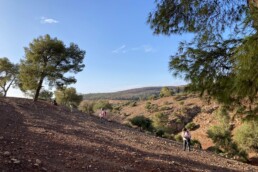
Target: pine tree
[47, 60]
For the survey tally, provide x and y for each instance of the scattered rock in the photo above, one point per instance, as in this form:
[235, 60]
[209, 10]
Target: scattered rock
[15, 161]
[38, 161]
[6, 153]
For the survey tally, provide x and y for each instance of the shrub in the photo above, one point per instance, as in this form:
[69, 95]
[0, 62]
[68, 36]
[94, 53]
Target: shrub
[133, 104]
[178, 121]
[143, 122]
[160, 132]
[192, 126]
[102, 104]
[166, 92]
[247, 136]
[168, 136]
[148, 105]
[196, 143]
[178, 137]
[220, 136]
[86, 107]
[160, 120]
[164, 108]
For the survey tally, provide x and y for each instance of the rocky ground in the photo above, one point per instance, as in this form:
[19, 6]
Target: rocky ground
[38, 136]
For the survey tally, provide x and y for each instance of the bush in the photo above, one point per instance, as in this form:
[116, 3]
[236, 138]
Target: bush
[148, 105]
[247, 136]
[165, 108]
[160, 132]
[220, 136]
[192, 126]
[160, 120]
[143, 122]
[196, 143]
[151, 107]
[178, 137]
[133, 104]
[86, 107]
[102, 104]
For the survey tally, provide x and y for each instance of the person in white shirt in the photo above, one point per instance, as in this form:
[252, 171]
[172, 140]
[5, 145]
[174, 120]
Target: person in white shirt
[186, 139]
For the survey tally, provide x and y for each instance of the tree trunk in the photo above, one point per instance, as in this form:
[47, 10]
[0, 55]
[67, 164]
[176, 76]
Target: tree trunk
[38, 89]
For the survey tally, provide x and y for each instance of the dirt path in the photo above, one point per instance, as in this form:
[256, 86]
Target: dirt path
[42, 137]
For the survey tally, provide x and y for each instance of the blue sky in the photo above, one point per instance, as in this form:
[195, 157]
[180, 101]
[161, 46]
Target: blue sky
[121, 50]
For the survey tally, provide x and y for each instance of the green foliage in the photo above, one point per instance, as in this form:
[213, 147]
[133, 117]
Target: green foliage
[143, 122]
[45, 95]
[67, 97]
[192, 126]
[163, 108]
[220, 136]
[160, 132]
[196, 143]
[207, 19]
[86, 107]
[151, 107]
[148, 105]
[8, 75]
[160, 120]
[220, 65]
[178, 137]
[102, 104]
[133, 104]
[165, 92]
[47, 61]
[247, 136]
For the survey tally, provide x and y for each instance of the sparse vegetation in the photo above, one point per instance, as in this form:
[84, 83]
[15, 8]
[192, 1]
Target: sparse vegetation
[102, 104]
[142, 122]
[192, 126]
[86, 107]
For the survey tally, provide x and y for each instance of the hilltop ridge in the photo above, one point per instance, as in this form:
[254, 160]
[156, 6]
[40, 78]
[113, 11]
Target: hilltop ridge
[38, 136]
[130, 94]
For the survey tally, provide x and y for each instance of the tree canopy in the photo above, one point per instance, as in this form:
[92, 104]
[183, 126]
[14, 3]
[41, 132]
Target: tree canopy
[68, 97]
[47, 61]
[8, 75]
[222, 58]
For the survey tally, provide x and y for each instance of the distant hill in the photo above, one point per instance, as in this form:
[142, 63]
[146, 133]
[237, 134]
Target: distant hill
[132, 94]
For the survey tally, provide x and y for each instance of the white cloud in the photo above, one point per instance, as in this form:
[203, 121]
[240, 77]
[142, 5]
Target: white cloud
[148, 48]
[45, 20]
[120, 49]
[142, 48]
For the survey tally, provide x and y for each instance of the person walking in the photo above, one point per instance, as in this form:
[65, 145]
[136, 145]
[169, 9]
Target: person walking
[186, 139]
[102, 114]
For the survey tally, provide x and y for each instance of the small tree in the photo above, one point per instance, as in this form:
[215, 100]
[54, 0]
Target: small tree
[143, 122]
[68, 96]
[8, 75]
[48, 60]
[86, 107]
[165, 92]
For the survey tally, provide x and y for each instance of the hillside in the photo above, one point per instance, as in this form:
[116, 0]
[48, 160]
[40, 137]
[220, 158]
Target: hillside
[38, 136]
[132, 94]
